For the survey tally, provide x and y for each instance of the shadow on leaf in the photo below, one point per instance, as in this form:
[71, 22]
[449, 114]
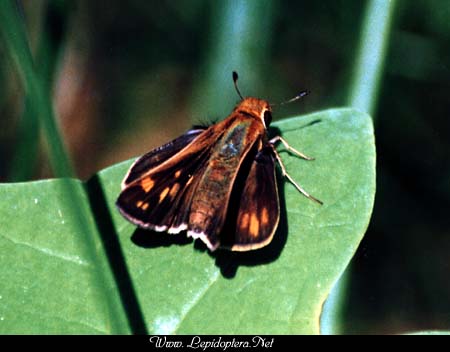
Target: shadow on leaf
[153, 239]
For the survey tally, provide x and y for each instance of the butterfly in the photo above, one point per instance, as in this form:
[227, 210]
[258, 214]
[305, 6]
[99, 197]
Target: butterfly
[217, 183]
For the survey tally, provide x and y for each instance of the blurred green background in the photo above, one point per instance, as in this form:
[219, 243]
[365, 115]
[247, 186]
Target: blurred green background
[128, 76]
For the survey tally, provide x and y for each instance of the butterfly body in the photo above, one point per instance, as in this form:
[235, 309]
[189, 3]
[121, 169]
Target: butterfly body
[216, 183]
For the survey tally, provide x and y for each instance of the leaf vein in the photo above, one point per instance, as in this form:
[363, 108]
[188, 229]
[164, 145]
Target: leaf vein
[66, 257]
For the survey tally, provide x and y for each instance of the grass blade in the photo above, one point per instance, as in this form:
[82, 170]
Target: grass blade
[232, 47]
[372, 50]
[15, 37]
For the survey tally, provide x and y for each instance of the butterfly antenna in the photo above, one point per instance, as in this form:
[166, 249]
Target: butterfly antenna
[297, 97]
[235, 78]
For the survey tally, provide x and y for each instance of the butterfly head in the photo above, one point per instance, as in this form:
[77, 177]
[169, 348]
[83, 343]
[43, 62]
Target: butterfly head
[257, 108]
[253, 107]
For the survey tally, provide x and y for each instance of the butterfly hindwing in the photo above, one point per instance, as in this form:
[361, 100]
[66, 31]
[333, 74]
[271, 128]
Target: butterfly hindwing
[259, 211]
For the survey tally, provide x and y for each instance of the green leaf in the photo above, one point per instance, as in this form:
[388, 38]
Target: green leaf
[172, 286]
[54, 275]
[430, 332]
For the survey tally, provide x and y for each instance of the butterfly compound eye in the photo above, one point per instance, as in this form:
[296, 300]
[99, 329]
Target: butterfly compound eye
[267, 118]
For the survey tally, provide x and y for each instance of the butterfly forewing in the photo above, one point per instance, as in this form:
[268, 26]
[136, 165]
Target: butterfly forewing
[152, 199]
[159, 155]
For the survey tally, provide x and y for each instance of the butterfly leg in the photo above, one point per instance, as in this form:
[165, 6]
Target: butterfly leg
[285, 174]
[289, 148]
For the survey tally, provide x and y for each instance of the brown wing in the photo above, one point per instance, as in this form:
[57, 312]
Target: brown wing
[158, 187]
[159, 155]
[214, 194]
[259, 211]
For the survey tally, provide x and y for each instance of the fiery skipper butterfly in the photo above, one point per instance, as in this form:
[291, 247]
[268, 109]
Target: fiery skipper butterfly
[217, 183]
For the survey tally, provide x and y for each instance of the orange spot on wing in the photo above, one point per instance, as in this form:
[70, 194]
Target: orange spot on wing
[189, 181]
[254, 225]
[174, 190]
[147, 184]
[142, 205]
[264, 216]
[163, 194]
[245, 220]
